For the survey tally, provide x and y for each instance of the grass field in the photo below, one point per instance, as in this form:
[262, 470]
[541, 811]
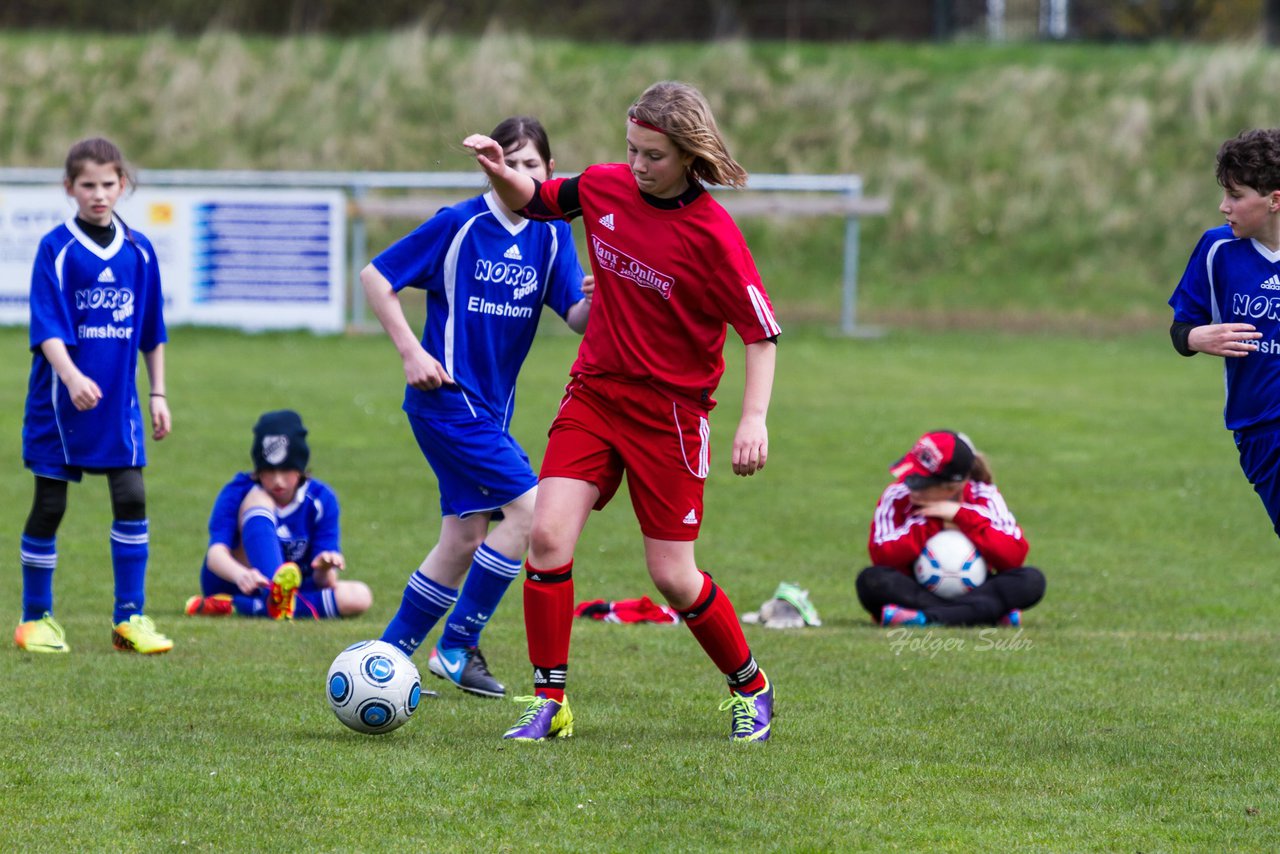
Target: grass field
[1135, 711]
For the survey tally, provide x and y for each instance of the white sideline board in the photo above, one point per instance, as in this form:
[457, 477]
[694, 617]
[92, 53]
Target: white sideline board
[249, 259]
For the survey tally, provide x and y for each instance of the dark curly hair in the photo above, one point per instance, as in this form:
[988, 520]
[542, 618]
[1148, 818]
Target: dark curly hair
[1251, 159]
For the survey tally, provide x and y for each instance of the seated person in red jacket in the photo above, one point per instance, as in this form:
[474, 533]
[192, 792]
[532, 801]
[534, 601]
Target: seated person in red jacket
[943, 482]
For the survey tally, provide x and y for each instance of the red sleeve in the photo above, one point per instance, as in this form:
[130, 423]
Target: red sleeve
[734, 291]
[985, 519]
[898, 535]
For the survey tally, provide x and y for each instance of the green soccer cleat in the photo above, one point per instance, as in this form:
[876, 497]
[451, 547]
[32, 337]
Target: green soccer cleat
[542, 719]
[283, 596]
[42, 635]
[138, 634]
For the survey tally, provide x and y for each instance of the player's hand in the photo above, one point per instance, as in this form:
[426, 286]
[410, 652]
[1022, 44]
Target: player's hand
[161, 421]
[588, 287]
[488, 153]
[944, 510]
[750, 446]
[251, 581]
[423, 372]
[84, 392]
[328, 560]
[1230, 340]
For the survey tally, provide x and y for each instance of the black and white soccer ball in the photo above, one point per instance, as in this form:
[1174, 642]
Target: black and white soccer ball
[950, 566]
[373, 687]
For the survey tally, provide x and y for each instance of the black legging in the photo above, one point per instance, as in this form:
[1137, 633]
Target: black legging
[128, 501]
[1004, 591]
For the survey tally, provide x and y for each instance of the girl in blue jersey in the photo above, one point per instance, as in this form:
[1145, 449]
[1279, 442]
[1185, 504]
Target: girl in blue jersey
[1228, 304]
[282, 522]
[487, 273]
[95, 303]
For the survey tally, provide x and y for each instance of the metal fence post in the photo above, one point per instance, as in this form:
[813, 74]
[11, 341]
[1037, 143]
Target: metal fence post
[359, 248]
[849, 286]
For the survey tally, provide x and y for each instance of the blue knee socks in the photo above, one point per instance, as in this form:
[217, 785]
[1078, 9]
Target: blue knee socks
[487, 580]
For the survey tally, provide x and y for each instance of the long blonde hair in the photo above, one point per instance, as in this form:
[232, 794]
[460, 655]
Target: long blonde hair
[683, 114]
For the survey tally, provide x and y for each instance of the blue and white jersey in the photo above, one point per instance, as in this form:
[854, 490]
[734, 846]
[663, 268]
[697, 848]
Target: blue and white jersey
[486, 282]
[307, 527]
[105, 304]
[1230, 280]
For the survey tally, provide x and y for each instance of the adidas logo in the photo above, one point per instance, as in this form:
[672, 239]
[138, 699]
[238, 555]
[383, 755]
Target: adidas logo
[691, 518]
[513, 254]
[607, 221]
[1271, 284]
[107, 276]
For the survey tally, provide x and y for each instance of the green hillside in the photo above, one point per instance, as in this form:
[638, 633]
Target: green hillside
[1033, 186]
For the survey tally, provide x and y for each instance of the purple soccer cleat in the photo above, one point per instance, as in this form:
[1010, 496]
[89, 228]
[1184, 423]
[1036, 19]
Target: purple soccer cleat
[1013, 618]
[752, 714]
[542, 719]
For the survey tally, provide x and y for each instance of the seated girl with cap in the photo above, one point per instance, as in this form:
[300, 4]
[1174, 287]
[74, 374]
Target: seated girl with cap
[273, 537]
[944, 483]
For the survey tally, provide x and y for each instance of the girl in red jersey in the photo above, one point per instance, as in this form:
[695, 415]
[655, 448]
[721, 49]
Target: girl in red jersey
[943, 482]
[672, 272]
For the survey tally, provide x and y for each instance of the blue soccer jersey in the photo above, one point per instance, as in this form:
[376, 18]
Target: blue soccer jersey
[105, 304]
[307, 527]
[1229, 280]
[486, 281]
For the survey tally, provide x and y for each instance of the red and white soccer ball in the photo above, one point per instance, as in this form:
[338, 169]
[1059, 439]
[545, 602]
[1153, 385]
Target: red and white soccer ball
[949, 565]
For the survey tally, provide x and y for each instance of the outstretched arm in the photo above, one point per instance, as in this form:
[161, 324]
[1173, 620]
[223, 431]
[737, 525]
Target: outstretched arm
[514, 188]
[751, 442]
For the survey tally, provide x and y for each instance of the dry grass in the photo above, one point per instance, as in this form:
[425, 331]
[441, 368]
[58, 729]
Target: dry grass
[1045, 179]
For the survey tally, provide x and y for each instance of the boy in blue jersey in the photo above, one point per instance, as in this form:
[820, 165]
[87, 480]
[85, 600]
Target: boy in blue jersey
[1228, 304]
[95, 304]
[274, 546]
[487, 273]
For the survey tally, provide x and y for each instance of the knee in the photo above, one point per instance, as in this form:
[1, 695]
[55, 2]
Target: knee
[354, 597]
[869, 581]
[128, 495]
[47, 509]
[1035, 584]
[545, 537]
[517, 521]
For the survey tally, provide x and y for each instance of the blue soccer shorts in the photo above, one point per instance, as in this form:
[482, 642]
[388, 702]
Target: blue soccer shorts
[479, 466]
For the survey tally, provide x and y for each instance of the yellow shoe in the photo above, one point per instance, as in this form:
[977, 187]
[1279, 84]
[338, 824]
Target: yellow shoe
[42, 635]
[283, 596]
[138, 634]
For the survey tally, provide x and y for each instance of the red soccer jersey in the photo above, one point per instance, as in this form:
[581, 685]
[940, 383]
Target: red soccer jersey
[668, 282]
[898, 532]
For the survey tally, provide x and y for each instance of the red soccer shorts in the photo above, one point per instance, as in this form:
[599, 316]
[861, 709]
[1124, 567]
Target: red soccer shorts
[605, 427]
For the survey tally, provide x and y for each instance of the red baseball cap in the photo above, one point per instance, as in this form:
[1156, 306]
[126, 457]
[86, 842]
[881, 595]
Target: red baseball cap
[942, 456]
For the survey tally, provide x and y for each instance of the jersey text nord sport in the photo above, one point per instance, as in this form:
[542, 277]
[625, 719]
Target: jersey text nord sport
[486, 282]
[1230, 280]
[105, 304]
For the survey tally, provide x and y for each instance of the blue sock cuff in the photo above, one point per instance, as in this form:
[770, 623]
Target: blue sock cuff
[39, 552]
[133, 532]
[429, 596]
[496, 562]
